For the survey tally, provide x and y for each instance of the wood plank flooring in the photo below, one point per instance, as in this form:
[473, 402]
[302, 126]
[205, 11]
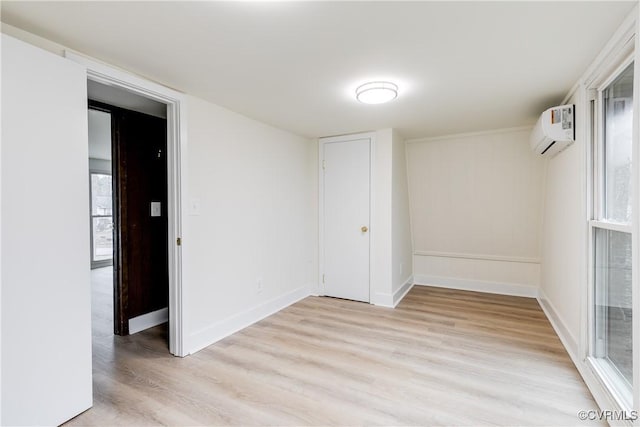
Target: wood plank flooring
[442, 357]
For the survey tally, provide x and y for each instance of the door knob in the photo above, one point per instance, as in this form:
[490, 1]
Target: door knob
[364, 229]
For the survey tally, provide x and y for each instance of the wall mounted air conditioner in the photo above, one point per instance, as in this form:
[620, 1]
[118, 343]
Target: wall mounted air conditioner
[554, 131]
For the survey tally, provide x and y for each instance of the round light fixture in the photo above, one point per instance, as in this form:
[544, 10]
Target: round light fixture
[377, 92]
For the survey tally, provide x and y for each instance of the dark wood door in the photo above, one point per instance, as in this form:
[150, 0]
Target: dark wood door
[141, 238]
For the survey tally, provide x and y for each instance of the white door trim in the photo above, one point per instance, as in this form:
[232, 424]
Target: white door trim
[372, 232]
[176, 155]
[148, 320]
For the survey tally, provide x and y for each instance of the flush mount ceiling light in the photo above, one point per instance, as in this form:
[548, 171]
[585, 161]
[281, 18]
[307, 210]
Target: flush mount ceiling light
[377, 92]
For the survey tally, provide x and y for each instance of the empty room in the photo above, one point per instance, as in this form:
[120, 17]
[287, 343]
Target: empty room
[306, 213]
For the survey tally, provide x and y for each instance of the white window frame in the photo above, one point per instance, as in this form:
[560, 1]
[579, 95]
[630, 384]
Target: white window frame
[106, 262]
[603, 76]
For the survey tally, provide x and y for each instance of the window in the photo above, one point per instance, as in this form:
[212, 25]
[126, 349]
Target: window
[618, 120]
[612, 278]
[611, 347]
[101, 220]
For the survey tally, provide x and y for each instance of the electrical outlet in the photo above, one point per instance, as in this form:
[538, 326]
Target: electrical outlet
[260, 286]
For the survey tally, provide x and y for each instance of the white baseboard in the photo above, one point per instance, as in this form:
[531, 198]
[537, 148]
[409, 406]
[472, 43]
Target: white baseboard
[518, 290]
[316, 290]
[598, 390]
[219, 330]
[568, 339]
[402, 291]
[383, 299]
[149, 320]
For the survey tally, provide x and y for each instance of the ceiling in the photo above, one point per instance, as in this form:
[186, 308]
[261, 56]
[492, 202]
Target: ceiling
[461, 66]
[100, 121]
[121, 98]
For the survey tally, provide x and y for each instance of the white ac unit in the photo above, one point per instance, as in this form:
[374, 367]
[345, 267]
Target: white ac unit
[554, 131]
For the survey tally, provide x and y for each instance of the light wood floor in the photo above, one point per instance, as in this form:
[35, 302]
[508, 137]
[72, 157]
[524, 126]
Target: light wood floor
[442, 357]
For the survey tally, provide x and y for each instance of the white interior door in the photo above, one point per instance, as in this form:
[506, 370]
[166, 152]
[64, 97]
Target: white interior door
[346, 218]
[46, 300]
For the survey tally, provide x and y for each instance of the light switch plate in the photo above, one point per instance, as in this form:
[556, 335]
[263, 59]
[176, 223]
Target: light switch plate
[156, 209]
[194, 208]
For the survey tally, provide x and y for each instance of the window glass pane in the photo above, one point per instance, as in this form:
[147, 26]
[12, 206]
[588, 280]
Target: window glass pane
[618, 106]
[613, 300]
[102, 238]
[101, 194]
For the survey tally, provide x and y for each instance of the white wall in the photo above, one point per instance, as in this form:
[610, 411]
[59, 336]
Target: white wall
[121, 98]
[255, 186]
[476, 205]
[390, 225]
[564, 235]
[381, 207]
[402, 250]
[564, 276]
[1, 285]
[46, 317]
[99, 135]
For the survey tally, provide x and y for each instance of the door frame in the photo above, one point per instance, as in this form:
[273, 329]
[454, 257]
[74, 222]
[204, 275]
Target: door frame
[371, 136]
[176, 158]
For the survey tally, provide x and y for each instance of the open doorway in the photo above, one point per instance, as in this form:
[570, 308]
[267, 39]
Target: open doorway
[173, 105]
[129, 224]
